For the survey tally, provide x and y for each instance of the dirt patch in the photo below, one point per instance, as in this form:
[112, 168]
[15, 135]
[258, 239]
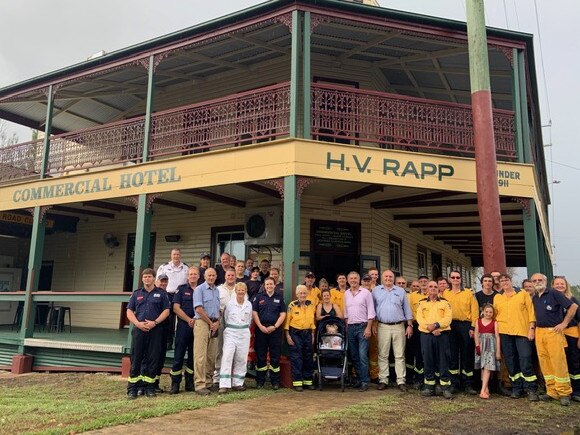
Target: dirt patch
[331, 411]
[249, 416]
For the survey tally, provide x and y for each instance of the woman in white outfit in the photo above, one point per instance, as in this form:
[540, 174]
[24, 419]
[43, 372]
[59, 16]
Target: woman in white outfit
[237, 319]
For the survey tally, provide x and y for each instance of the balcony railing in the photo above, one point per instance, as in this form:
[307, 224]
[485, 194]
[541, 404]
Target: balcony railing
[119, 142]
[348, 115]
[339, 114]
[253, 116]
[20, 160]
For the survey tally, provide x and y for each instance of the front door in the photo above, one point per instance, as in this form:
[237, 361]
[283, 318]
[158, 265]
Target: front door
[436, 265]
[130, 271]
[334, 248]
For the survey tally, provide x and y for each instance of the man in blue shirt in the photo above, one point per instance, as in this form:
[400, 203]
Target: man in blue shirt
[148, 307]
[206, 301]
[395, 325]
[550, 305]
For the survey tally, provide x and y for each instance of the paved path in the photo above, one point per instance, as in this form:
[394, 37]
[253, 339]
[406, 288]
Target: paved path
[247, 416]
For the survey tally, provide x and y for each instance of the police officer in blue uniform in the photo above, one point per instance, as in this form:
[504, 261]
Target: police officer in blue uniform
[269, 312]
[183, 309]
[148, 306]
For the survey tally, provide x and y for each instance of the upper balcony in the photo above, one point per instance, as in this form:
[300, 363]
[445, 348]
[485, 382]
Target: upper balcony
[338, 113]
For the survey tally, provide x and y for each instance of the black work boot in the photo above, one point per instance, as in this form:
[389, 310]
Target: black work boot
[174, 387]
[188, 382]
[156, 387]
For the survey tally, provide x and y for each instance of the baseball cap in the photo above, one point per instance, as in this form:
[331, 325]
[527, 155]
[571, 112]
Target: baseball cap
[204, 255]
[162, 277]
[423, 276]
[366, 277]
[310, 275]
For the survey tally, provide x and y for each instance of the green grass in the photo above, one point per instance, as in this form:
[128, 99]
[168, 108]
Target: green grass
[68, 403]
[411, 413]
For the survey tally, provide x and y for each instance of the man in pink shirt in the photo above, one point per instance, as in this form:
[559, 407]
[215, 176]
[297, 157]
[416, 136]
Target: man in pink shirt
[359, 313]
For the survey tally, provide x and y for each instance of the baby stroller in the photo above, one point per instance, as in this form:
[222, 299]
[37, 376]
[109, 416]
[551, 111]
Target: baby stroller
[331, 351]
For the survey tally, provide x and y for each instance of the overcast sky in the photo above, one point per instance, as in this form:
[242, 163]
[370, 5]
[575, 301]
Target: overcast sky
[40, 36]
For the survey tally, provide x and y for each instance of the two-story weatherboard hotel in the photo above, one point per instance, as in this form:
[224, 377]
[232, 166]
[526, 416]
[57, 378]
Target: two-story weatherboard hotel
[342, 132]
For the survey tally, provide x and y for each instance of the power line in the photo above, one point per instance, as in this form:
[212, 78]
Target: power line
[564, 164]
[507, 23]
[517, 16]
[542, 61]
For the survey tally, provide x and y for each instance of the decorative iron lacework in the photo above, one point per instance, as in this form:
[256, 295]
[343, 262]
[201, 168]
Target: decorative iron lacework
[285, 19]
[43, 211]
[302, 183]
[21, 160]
[348, 115]
[278, 184]
[104, 145]
[525, 204]
[507, 52]
[249, 117]
[316, 20]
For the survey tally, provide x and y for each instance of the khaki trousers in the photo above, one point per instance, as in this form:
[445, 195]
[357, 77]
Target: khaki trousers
[392, 336]
[204, 355]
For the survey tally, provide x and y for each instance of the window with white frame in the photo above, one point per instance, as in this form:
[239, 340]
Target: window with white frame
[396, 255]
[421, 263]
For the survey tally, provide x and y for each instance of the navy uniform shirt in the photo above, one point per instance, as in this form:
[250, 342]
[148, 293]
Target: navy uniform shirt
[576, 319]
[253, 288]
[221, 274]
[550, 308]
[148, 305]
[268, 307]
[184, 297]
[201, 278]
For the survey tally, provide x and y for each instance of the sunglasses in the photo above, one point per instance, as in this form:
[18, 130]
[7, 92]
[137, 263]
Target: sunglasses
[455, 277]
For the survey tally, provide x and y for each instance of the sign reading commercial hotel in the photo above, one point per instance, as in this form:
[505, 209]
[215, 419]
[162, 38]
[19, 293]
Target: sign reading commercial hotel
[99, 184]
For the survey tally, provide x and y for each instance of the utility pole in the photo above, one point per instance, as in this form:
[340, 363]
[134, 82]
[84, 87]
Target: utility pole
[484, 141]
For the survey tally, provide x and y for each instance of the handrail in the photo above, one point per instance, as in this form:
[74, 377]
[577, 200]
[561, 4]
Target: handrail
[355, 116]
[62, 296]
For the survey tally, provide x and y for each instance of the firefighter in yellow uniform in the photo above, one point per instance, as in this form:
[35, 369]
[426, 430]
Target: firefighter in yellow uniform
[517, 323]
[313, 292]
[465, 311]
[550, 305]
[414, 299]
[337, 293]
[434, 319]
[300, 327]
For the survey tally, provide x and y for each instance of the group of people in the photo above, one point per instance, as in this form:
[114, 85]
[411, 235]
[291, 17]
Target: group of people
[433, 333]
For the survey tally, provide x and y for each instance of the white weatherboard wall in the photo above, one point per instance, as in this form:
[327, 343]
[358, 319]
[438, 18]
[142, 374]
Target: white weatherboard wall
[82, 262]
[376, 227]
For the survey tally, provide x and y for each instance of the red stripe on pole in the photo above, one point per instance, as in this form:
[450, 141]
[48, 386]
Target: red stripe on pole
[487, 189]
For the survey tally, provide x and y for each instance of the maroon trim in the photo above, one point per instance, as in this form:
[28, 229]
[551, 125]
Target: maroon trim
[159, 50]
[401, 25]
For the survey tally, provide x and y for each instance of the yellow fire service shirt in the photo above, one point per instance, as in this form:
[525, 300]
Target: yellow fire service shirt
[337, 297]
[414, 299]
[314, 296]
[437, 311]
[464, 306]
[514, 313]
[301, 316]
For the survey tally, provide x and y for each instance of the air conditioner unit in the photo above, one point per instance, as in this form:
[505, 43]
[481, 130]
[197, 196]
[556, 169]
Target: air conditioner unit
[263, 227]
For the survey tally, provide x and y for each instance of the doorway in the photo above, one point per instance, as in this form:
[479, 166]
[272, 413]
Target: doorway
[436, 265]
[334, 248]
[130, 271]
